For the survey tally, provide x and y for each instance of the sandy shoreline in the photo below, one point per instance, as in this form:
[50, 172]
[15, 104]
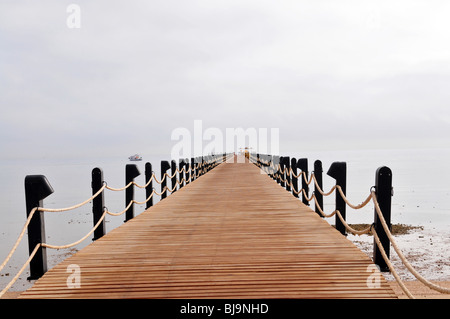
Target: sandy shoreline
[426, 250]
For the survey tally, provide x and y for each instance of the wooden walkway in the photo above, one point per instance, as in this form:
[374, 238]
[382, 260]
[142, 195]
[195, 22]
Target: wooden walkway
[232, 233]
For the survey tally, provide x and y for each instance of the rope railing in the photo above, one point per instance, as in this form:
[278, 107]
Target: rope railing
[279, 173]
[372, 197]
[400, 253]
[391, 267]
[194, 171]
[154, 178]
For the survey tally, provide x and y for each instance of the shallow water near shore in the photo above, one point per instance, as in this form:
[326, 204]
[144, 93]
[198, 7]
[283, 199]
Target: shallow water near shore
[420, 181]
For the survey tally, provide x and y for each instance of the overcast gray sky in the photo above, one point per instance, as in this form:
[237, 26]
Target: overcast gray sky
[328, 74]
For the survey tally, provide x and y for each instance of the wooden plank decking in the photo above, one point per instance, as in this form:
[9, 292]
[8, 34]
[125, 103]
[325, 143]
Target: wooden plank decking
[232, 233]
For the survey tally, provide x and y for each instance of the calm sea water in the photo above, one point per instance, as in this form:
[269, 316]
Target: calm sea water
[420, 179]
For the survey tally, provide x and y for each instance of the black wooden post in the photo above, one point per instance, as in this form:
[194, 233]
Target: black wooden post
[272, 167]
[131, 171]
[37, 188]
[192, 169]
[269, 159]
[282, 173]
[197, 165]
[293, 178]
[287, 165]
[181, 173]
[383, 191]
[302, 164]
[149, 188]
[164, 167]
[187, 172]
[276, 162]
[203, 167]
[338, 171]
[98, 203]
[202, 171]
[173, 171]
[319, 197]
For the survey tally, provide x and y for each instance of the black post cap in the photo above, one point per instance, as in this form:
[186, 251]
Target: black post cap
[318, 166]
[132, 171]
[302, 164]
[337, 170]
[164, 166]
[39, 185]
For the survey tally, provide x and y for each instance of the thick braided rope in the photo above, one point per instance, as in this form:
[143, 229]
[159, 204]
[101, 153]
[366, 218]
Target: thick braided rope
[389, 264]
[21, 270]
[400, 253]
[105, 186]
[30, 216]
[371, 197]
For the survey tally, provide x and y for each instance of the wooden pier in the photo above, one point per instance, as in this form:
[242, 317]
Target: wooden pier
[232, 233]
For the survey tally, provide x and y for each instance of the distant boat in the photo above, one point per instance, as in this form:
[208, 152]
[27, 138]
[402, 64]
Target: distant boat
[135, 157]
